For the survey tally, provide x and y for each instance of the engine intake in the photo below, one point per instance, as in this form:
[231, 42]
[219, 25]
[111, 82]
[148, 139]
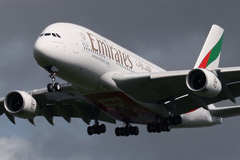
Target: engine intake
[21, 104]
[203, 82]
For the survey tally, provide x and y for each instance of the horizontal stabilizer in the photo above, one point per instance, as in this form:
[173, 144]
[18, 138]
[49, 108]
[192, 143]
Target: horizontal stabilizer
[224, 112]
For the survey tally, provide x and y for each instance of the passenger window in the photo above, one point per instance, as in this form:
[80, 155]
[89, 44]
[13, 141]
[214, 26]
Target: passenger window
[47, 34]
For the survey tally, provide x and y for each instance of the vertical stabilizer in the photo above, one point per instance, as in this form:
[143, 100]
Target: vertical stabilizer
[210, 54]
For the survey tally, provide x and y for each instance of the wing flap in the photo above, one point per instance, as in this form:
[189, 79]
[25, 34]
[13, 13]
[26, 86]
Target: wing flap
[229, 74]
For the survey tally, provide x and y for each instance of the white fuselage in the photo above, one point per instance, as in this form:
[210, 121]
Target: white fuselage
[88, 61]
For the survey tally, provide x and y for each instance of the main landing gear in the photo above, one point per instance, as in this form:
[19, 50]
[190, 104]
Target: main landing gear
[164, 124]
[96, 129]
[54, 86]
[126, 131]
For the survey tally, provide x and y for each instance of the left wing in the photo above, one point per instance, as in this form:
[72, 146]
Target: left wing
[170, 89]
[152, 87]
[224, 112]
[183, 91]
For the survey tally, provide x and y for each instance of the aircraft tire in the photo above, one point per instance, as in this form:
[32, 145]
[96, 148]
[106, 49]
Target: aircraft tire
[57, 87]
[117, 131]
[102, 128]
[50, 87]
[168, 128]
[90, 130]
[136, 131]
[126, 131]
[149, 128]
[159, 127]
[179, 119]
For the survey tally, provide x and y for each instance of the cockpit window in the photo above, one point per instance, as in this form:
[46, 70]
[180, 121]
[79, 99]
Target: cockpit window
[47, 34]
[58, 35]
[50, 34]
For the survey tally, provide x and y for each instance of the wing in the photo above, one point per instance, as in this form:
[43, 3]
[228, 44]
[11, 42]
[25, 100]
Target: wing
[170, 89]
[152, 87]
[67, 104]
[224, 112]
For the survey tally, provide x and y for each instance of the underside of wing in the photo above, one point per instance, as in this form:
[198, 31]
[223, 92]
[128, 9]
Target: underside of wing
[224, 112]
[169, 89]
[153, 87]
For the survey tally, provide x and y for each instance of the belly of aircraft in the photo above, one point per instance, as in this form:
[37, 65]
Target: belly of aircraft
[122, 107]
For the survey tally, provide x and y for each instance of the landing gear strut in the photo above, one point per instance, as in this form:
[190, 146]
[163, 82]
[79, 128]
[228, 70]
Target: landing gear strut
[96, 129]
[54, 86]
[126, 131]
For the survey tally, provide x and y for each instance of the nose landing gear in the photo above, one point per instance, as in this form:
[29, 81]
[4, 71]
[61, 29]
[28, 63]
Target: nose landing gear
[54, 86]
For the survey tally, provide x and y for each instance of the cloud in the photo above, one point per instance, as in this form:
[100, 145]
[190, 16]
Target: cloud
[16, 148]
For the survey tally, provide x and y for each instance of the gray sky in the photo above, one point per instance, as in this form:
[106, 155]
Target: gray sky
[169, 33]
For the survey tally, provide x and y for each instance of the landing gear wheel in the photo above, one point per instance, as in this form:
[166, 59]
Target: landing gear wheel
[102, 128]
[121, 131]
[168, 128]
[117, 131]
[53, 86]
[149, 128]
[179, 119]
[159, 127]
[132, 131]
[96, 128]
[57, 87]
[90, 131]
[136, 131]
[127, 131]
[50, 87]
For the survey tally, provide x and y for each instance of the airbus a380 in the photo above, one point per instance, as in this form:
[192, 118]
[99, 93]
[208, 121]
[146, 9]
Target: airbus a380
[106, 83]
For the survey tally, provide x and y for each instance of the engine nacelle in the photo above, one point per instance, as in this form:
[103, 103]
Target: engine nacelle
[203, 82]
[21, 104]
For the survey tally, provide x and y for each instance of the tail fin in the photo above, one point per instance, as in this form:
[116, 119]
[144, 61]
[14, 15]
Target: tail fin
[210, 54]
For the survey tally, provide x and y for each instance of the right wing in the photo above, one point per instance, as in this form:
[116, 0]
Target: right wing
[67, 104]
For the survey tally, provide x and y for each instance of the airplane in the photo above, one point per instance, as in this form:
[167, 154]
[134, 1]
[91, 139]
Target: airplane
[105, 82]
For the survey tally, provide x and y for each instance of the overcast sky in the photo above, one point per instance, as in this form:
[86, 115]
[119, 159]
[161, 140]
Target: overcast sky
[169, 33]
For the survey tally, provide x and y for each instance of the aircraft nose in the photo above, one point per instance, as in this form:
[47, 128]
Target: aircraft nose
[39, 49]
[43, 52]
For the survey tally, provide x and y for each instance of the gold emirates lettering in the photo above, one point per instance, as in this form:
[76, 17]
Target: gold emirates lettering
[113, 53]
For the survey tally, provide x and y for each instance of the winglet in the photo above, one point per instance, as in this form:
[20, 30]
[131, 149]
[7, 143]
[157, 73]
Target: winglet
[210, 54]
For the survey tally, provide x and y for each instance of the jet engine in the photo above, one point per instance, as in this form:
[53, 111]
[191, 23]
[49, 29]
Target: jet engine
[203, 82]
[21, 104]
